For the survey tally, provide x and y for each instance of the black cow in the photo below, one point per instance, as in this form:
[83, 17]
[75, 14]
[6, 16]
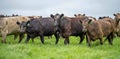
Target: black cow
[39, 27]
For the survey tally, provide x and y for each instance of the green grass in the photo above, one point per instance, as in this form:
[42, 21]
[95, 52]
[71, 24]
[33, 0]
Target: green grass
[37, 50]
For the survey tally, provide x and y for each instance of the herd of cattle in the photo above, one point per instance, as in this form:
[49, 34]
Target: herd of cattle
[60, 26]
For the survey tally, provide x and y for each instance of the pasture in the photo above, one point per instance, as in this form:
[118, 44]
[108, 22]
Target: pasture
[37, 50]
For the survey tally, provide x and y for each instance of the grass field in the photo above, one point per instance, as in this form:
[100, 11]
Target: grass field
[36, 50]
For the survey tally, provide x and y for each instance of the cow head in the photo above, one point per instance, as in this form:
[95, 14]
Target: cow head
[117, 18]
[92, 18]
[85, 24]
[23, 25]
[57, 18]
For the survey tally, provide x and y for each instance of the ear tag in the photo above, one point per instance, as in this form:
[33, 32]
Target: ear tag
[28, 24]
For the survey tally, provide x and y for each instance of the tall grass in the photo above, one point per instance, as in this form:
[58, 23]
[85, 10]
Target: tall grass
[37, 50]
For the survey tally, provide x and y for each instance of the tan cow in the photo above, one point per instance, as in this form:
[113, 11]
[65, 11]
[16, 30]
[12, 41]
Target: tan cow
[8, 26]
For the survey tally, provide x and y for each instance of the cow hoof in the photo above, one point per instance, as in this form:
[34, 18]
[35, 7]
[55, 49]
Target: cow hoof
[3, 41]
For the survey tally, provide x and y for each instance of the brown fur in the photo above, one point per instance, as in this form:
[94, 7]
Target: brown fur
[69, 26]
[99, 29]
[117, 17]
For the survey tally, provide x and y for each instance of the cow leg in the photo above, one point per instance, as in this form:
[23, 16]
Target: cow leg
[88, 40]
[57, 37]
[105, 39]
[109, 40]
[21, 36]
[27, 39]
[81, 38]
[49, 37]
[4, 38]
[112, 36]
[4, 34]
[42, 39]
[15, 36]
[101, 41]
[66, 41]
[32, 40]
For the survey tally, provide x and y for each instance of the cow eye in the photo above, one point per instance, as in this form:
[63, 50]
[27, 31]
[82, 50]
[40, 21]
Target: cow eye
[24, 26]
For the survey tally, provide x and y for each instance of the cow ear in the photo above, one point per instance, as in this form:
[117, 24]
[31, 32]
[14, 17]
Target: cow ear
[114, 14]
[75, 15]
[83, 14]
[52, 15]
[100, 17]
[79, 14]
[40, 16]
[80, 21]
[23, 18]
[18, 23]
[61, 15]
[94, 18]
[28, 23]
[118, 13]
[90, 21]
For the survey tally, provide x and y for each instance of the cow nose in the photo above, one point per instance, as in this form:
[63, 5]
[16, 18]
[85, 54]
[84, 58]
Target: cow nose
[21, 31]
[84, 30]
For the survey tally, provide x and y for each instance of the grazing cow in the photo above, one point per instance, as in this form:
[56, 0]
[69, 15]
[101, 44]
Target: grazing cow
[8, 26]
[99, 29]
[69, 26]
[41, 27]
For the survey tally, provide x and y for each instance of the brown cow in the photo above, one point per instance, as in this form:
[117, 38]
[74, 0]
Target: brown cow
[117, 17]
[89, 17]
[99, 29]
[8, 26]
[116, 26]
[69, 26]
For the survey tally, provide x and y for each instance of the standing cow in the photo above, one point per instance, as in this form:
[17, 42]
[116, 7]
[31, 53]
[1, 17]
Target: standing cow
[69, 26]
[8, 26]
[39, 27]
[99, 29]
[117, 17]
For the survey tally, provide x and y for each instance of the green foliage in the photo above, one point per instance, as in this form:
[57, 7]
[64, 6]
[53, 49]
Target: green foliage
[37, 50]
